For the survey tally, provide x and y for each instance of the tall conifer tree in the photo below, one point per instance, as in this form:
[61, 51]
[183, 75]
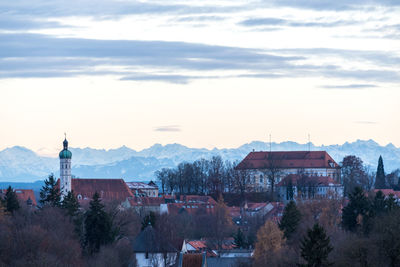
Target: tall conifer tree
[380, 181]
[11, 200]
[98, 226]
[290, 219]
[315, 247]
[70, 204]
[50, 193]
[357, 211]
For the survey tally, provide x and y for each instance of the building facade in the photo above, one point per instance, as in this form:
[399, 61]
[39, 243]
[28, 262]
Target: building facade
[279, 164]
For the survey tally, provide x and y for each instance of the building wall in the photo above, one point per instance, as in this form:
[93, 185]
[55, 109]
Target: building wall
[331, 191]
[155, 259]
[258, 180]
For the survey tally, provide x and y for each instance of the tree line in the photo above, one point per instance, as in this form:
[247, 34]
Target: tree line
[216, 176]
[204, 176]
[365, 232]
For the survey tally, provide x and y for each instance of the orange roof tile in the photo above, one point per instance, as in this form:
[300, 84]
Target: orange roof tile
[287, 160]
[23, 195]
[108, 189]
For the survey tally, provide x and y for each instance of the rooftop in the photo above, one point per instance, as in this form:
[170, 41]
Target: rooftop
[287, 160]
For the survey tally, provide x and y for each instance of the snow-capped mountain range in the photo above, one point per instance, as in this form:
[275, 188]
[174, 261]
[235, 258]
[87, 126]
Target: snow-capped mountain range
[19, 164]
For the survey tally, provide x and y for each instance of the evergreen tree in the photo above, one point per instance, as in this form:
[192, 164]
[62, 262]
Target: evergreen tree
[290, 219]
[50, 193]
[380, 181]
[240, 239]
[70, 204]
[357, 211]
[11, 200]
[315, 247]
[379, 204]
[98, 226]
[149, 219]
[391, 203]
[289, 190]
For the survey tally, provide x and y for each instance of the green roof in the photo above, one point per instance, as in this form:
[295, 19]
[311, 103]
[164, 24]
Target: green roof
[65, 154]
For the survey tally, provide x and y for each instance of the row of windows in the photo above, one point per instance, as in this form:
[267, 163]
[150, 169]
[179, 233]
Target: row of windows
[65, 166]
[195, 207]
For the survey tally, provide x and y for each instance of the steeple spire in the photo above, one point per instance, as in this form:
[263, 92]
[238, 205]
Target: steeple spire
[65, 143]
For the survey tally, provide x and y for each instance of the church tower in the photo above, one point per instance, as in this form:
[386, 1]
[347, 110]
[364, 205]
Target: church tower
[65, 169]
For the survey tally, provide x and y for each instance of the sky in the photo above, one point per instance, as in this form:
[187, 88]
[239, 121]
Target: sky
[199, 73]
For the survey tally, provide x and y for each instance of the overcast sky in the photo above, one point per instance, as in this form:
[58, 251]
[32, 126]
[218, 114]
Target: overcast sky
[200, 73]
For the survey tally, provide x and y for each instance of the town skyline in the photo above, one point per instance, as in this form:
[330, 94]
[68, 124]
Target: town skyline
[215, 74]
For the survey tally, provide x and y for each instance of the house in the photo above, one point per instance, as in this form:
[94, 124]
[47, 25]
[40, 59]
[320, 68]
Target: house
[295, 186]
[143, 189]
[267, 211]
[388, 192]
[151, 250]
[25, 196]
[144, 205]
[208, 246]
[229, 255]
[261, 165]
[192, 204]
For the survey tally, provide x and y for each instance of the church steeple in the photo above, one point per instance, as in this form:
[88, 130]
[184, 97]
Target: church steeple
[65, 169]
[65, 143]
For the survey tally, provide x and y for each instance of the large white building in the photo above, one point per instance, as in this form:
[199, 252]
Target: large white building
[262, 164]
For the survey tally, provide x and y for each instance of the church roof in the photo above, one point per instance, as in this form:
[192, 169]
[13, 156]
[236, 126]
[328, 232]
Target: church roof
[65, 153]
[108, 189]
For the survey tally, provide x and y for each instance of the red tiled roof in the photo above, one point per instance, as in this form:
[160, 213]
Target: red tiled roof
[315, 180]
[234, 211]
[23, 195]
[108, 189]
[287, 160]
[198, 244]
[387, 192]
[210, 243]
[276, 213]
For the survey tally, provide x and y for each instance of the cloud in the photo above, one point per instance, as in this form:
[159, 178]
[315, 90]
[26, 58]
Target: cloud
[199, 18]
[168, 128]
[349, 86]
[38, 55]
[338, 5]
[21, 23]
[366, 122]
[283, 22]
